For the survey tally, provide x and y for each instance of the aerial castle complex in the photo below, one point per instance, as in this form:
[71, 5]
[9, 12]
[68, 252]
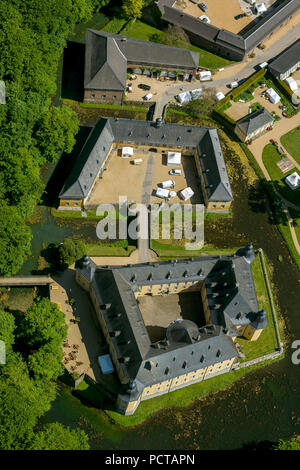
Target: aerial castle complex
[151, 360]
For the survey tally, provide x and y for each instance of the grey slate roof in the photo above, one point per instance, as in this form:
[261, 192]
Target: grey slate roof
[279, 13]
[105, 64]
[254, 121]
[108, 56]
[89, 161]
[214, 169]
[286, 60]
[244, 43]
[108, 130]
[186, 346]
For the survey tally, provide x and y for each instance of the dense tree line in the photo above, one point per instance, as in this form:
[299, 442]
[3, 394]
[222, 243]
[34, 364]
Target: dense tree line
[27, 380]
[32, 130]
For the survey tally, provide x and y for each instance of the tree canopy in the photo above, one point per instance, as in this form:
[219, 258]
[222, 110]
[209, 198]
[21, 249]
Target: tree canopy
[132, 9]
[54, 436]
[15, 238]
[71, 250]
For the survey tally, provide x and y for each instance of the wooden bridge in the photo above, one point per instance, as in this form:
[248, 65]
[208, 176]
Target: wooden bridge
[23, 281]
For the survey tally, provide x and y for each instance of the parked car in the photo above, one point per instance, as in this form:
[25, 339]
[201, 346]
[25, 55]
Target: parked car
[144, 87]
[237, 17]
[175, 172]
[203, 7]
[195, 1]
[148, 97]
[274, 142]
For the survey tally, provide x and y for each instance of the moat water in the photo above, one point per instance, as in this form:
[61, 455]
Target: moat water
[263, 406]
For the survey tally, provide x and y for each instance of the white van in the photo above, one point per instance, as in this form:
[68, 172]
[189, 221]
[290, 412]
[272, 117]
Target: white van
[137, 161]
[168, 184]
[234, 85]
[148, 97]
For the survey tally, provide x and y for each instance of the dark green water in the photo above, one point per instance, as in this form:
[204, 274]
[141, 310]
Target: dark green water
[265, 405]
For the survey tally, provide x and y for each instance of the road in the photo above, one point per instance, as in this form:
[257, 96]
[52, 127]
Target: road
[232, 72]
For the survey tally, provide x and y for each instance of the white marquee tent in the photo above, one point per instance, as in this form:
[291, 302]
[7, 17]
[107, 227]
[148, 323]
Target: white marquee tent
[184, 97]
[293, 180]
[220, 96]
[273, 96]
[291, 82]
[174, 159]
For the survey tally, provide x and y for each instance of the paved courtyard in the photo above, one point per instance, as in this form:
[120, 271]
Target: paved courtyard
[158, 87]
[159, 311]
[139, 182]
[238, 109]
[222, 12]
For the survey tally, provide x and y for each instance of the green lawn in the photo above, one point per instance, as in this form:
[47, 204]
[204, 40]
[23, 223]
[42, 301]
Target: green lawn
[291, 142]
[267, 342]
[286, 233]
[108, 249]
[270, 158]
[168, 251]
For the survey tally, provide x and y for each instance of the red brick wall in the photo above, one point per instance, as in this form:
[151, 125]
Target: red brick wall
[103, 96]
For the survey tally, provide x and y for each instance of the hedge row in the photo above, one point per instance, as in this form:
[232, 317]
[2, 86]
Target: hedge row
[247, 84]
[221, 116]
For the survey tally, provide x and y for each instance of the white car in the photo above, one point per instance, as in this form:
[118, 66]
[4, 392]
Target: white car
[175, 172]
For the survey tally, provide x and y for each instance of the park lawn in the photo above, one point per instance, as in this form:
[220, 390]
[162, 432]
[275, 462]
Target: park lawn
[291, 142]
[108, 249]
[270, 158]
[286, 233]
[267, 342]
[165, 250]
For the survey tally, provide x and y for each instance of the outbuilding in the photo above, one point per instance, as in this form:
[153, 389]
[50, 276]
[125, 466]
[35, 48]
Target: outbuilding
[293, 180]
[291, 82]
[273, 96]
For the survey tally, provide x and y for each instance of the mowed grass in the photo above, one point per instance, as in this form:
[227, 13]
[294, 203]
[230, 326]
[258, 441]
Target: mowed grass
[291, 142]
[168, 251]
[270, 158]
[108, 249]
[286, 233]
[267, 342]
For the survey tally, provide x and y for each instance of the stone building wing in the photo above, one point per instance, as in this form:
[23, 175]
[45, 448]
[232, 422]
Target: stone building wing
[254, 121]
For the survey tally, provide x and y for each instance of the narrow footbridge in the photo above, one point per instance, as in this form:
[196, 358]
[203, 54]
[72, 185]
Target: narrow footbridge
[20, 281]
